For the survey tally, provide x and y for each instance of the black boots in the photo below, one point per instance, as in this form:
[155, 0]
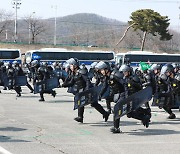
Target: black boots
[41, 100]
[80, 115]
[106, 116]
[79, 119]
[172, 116]
[53, 93]
[115, 130]
[146, 121]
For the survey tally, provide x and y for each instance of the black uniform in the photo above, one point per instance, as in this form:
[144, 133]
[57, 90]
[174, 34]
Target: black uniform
[133, 85]
[79, 81]
[42, 74]
[118, 92]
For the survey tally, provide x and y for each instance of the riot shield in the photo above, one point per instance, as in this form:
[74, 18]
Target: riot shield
[4, 80]
[39, 86]
[107, 92]
[86, 97]
[20, 80]
[177, 102]
[51, 83]
[61, 74]
[89, 96]
[48, 84]
[160, 101]
[73, 90]
[132, 102]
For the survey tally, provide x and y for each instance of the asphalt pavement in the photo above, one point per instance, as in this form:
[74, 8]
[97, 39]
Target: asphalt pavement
[28, 126]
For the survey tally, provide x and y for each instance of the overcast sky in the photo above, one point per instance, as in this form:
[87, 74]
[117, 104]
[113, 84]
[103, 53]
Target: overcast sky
[115, 9]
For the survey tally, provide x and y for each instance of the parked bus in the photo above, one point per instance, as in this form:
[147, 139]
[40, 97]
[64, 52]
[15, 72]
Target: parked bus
[10, 55]
[51, 55]
[135, 57]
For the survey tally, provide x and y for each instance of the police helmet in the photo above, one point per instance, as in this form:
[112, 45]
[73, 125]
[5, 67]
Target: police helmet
[6, 64]
[15, 63]
[175, 65]
[34, 62]
[59, 64]
[125, 68]
[44, 64]
[116, 75]
[177, 77]
[102, 65]
[54, 64]
[167, 68]
[155, 67]
[94, 64]
[66, 65]
[73, 61]
[83, 65]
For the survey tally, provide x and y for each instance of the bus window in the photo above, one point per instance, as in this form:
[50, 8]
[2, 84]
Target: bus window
[134, 58]
[9, 55]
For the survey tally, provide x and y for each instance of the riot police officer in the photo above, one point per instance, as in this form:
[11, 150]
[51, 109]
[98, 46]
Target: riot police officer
[118, 92]
[44, 72]
[11, 77]
[19, 72]
[92, 71]
[79, 81]
[164, 91]
[148, 79]
[133, 85]
[104, 69]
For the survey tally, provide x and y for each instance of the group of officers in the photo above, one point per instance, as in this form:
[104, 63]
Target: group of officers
[120, 81]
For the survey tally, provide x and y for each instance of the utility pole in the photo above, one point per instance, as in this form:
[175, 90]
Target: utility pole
[55, 23]
[6, 36]
[16, 5]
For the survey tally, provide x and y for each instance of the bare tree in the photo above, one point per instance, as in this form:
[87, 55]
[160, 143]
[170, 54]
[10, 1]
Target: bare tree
[5, 21]
[36, 26]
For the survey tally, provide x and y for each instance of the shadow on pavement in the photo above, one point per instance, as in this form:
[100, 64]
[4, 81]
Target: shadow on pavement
[9, 139]
[148, 132]
[59, 101]
[169, 122]
[110, 123]
[30, 96]
[14, 129]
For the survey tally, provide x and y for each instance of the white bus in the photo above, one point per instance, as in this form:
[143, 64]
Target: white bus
[135, 57]
[51, 55]
[10, 55]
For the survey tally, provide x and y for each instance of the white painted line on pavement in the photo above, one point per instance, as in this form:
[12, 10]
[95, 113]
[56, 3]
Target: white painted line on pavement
[4, 151]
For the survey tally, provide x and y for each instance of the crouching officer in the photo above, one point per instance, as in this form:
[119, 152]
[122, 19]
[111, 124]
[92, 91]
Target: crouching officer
[103, 78]
[118, 92]
[164, 91]
[133, 85]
